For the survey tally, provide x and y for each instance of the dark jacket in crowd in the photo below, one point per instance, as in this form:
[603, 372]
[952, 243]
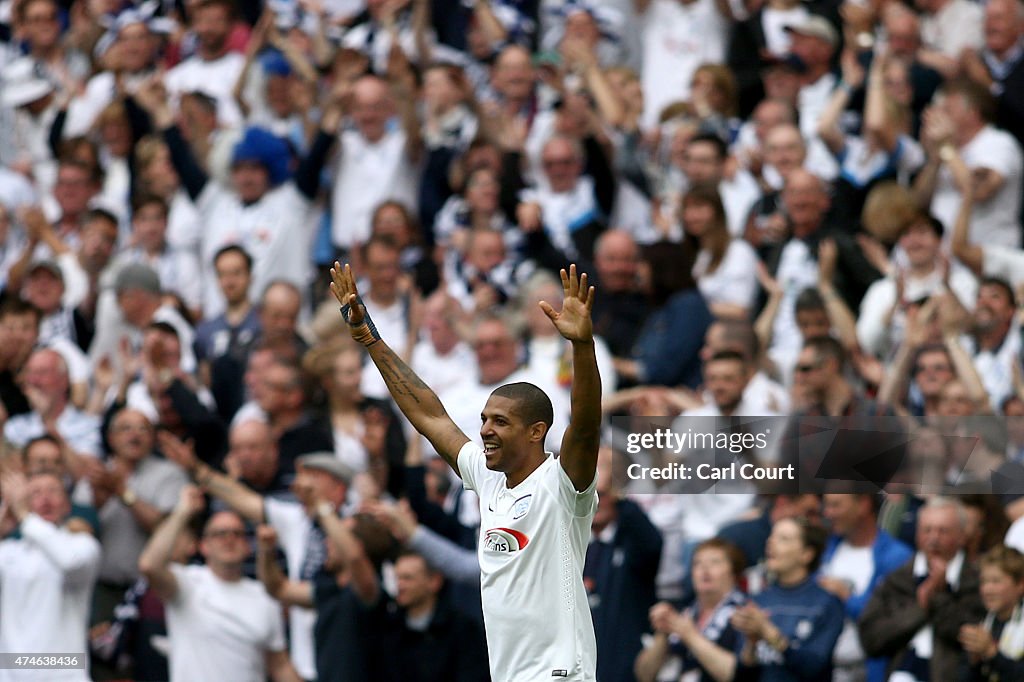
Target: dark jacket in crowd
[892, 617]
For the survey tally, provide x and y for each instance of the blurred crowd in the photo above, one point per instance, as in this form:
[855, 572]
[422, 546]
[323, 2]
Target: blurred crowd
[789, 209]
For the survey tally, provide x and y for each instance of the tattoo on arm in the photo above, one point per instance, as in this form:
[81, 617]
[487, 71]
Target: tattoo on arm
[399, 376]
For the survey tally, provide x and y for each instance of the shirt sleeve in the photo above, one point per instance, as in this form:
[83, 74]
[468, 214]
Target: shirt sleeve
[581, 504]
[183, 577]
[471, 462]
[1001, 156]
[457, 563]
[76, 555]
[275, 635]
[1002, 261]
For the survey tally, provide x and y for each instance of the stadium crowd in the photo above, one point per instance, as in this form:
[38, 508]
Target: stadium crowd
[789, 209]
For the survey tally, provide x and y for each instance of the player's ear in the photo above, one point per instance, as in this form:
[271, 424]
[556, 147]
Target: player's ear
[537, 432]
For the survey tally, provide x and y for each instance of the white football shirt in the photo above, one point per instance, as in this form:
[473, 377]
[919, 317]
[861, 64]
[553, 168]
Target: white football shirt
[533, 542]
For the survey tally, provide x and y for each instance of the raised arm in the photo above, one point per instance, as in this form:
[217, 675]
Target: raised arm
[582, 438]
[277, 584]
[236, 495]
[156, 556]
[418, 403]
[971, 255]
[75, 555]
[361, 573]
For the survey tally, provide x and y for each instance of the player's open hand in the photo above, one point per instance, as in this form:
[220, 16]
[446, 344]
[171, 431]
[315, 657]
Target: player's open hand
[573, 322]
[343, 286]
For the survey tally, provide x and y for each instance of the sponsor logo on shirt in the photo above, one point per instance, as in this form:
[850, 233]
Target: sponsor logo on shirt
[504, 540]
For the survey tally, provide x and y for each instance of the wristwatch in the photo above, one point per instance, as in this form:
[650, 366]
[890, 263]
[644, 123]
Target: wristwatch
[324, 509]
[947, 152]
[128, 497]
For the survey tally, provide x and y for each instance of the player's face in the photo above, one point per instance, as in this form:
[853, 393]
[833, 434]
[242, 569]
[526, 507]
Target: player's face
[503, 433]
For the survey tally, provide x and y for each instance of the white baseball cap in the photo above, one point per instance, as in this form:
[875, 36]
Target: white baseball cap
[24, 81]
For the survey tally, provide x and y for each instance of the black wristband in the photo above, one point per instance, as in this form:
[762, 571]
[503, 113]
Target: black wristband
[346, 314]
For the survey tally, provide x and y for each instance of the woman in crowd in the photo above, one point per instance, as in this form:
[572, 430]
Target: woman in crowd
[791, 628]
[367, 435]
[725, 268]
[667, 352]
[699, 642]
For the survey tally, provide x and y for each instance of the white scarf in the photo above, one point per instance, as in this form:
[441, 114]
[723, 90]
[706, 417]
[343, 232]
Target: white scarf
[1011, 641]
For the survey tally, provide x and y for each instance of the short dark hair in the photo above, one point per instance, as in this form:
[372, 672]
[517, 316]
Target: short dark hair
[204, 100]
[726, 355]
[19, 306]
[742, 334]
[163, 327]
[931, 348]
[714, 140]
[828, 347]
[45, 438]
[1000, 283]
[228, 6]
[234, 248]
[926, 219]
[413, 554]
[810, 300]
[532, 404]
[140, 201]
[100, 214]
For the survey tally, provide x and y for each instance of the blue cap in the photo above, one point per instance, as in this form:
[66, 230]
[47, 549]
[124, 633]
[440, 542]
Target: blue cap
[267, 149]
[274, 63]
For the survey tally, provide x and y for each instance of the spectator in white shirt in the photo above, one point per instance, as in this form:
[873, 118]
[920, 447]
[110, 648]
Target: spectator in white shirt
[213, 70]
[264, 210]
[725, 268]
[377, 162]
[320, 478]
[947, 29]
[178, 268]
[215, 599]
[440, 356]
[678, 36]
[387, 300]
[994, 339]
[46, 575]
[47, 386]
[882, 321]
[139, 297]
[28, 90]
[814, 42]
[704, 163]
[960, 124]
